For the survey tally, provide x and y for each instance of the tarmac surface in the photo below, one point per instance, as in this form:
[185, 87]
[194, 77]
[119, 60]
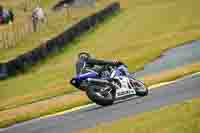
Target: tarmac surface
[182, 55]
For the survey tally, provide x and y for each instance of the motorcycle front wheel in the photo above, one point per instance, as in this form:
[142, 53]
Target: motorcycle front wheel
[104, 98]
[140, 88]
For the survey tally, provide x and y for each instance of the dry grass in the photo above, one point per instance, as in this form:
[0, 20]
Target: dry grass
[12, 116]
[36, 96]
[179, 118]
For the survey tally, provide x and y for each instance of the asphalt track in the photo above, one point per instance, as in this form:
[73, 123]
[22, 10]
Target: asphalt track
[177, 92]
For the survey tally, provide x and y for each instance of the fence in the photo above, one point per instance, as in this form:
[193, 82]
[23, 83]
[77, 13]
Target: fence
[14, 33]
[23, 62]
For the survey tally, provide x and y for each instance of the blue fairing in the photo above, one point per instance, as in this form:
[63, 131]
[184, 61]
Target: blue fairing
[86, 75]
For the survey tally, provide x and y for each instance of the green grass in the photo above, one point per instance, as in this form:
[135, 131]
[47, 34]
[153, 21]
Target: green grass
[180, 118]
[137, 35]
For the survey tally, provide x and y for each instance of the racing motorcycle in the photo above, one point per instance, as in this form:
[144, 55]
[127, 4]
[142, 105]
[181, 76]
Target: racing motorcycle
[108, 84]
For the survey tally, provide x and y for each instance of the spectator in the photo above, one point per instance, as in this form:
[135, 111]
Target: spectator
[6, 16]
[38, 15]
[1, 14]
[1, 10]
[11, 15]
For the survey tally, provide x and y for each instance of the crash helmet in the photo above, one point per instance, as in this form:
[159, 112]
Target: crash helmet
[84, 55]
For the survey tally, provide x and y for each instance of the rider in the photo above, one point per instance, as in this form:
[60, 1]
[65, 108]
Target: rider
[85, 59]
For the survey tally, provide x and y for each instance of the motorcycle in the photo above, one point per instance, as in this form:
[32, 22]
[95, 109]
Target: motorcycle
[108, 85]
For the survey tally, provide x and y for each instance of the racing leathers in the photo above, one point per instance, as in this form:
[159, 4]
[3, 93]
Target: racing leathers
[91, 63]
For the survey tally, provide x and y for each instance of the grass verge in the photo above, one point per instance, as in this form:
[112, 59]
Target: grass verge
[57, 104]
[35, 110]
[180, 118]
[169, 75]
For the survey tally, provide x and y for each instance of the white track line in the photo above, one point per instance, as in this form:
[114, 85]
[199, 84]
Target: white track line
[92, 104]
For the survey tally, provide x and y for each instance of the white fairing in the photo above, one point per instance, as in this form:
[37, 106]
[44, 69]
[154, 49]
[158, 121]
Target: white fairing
[125, 89]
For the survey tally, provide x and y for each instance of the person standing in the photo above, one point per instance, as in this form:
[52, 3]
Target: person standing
[1, 14]
[38, 15]
[6, 17]
[11, 14]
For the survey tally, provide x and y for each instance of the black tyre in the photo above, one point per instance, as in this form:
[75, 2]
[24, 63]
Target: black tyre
[140, 88]
[100, 98]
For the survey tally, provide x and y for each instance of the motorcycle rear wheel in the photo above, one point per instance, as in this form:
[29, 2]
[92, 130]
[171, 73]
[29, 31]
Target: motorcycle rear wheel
[100, 99]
